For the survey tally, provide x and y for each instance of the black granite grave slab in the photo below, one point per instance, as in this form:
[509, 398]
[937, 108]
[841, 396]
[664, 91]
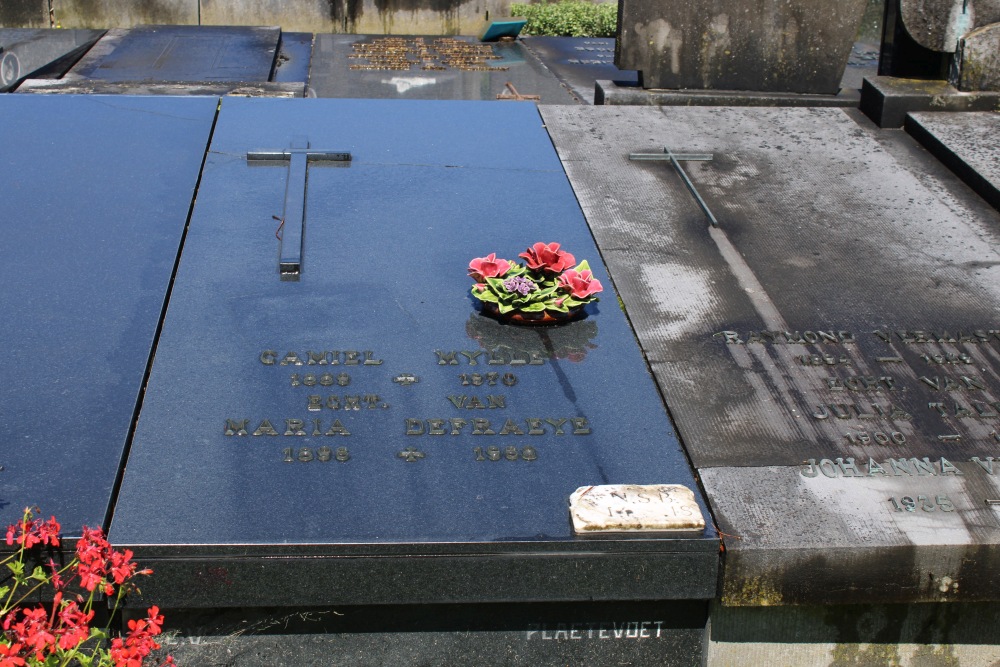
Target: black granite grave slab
[967, 143]
[580, 61]
[88, 255]
[336, 72]
[294, 56]
[40, 52]
[371, 498]
[184, 53]
[830, 351]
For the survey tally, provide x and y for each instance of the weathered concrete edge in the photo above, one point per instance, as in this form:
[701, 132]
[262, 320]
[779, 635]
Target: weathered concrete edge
[94, 87]
[610, 93]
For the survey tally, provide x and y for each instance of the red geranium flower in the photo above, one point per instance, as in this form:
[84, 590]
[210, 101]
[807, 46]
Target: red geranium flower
[548, 258]
[580, 284]
[9, 655]
[482, 268]
[28, 532]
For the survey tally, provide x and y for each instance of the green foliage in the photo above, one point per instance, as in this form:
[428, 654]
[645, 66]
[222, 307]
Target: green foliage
[569, 18]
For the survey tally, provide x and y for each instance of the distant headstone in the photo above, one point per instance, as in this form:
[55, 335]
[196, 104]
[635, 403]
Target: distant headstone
[942, 39]
[833, 367]
[978, 59]
[44, 52]
[363, 433]
[88, 255]
[798, 46]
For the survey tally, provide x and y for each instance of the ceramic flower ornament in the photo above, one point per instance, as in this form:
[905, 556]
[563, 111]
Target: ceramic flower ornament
[546, 289]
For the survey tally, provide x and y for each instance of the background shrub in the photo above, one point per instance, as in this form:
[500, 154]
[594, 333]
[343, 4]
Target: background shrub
[569, 18]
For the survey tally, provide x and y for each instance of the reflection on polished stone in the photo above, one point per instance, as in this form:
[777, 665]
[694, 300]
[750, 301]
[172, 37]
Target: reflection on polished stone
[571, 341]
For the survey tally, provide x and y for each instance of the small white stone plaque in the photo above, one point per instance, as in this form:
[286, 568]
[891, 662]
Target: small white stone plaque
[635, 508]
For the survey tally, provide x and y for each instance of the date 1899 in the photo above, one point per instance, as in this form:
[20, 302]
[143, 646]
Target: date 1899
[322, 454]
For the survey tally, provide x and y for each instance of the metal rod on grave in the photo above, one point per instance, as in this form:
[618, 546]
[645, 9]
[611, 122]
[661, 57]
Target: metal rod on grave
[667, 154]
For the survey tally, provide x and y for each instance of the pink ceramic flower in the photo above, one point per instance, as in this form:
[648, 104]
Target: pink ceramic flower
[580, 284]
[547, 257]
[482, 268]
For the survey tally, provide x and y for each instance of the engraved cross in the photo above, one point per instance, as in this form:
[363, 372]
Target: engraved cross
[406, 379]
[297, 156]
[411, 454]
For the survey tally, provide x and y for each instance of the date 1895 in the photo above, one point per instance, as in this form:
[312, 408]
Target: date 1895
[923, 503]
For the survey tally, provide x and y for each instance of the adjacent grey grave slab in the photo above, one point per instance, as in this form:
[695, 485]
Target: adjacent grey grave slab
[366, 468]
[183, 53]
[336, 73]
[94, 203]
[28, 52]
[967, 143]
[829, 351]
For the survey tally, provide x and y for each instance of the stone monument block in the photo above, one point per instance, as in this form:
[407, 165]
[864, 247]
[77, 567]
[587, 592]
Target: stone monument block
[925, 39]
[25, 13]
[978, 59]
[125, 13]
[764, 45]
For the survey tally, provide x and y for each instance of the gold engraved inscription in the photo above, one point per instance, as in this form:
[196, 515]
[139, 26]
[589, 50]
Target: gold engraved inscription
[292, 427]
[320, 358]
[478, 426]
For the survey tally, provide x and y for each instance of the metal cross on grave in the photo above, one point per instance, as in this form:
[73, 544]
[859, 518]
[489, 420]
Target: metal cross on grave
[675, 159]
[297, 156]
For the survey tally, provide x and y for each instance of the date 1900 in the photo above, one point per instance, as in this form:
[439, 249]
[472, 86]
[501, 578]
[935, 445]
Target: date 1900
[924, 503]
